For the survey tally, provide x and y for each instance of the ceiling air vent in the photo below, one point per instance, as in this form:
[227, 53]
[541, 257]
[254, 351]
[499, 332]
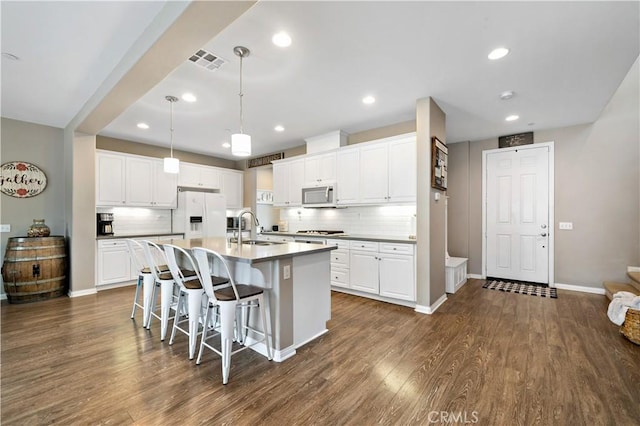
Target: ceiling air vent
[207, 60]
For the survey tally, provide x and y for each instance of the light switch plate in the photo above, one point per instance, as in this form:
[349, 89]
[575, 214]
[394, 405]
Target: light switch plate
[286, 272]
[5, 228]
[566, 225]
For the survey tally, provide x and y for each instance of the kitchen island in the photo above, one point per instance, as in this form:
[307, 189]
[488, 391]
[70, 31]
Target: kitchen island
[297, 277]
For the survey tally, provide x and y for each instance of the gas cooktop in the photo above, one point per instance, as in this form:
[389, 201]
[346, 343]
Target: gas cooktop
[319, 232]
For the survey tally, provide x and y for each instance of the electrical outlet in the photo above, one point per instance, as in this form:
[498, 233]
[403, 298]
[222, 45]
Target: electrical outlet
[5, 228]
[566, 225]
[286, 272]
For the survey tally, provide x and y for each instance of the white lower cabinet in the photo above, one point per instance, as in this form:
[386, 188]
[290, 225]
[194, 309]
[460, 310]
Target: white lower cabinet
[339, 263]
[114, 263]
[384, 269]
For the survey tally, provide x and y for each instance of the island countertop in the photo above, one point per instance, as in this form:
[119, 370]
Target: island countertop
[250, 253]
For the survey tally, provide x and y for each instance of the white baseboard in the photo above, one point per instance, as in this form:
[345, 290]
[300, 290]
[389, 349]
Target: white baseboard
[311, 338]
[633, 268]
[580, 288]
[476, 276]
[278, 355]
[116, 285]
[80, 293]
[431, 309]
[3, 296]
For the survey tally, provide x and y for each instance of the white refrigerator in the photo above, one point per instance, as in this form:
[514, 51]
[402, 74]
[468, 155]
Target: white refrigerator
[200, 214]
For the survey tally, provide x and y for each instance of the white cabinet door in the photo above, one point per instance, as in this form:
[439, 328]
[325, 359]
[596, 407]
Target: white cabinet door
[232, 188]
[320, 169]
[197, 176]
[363, 271]
[139, 181]
[288, 179]
[110, 180]
[189, 175]
[374, 174]
[114, 263]
[165, 187]
[210, 177]
[296, 177]
[402, 170]
[280, 184]
[348, 176]
[397, 277]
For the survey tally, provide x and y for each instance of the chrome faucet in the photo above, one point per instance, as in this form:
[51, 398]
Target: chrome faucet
[255, 220]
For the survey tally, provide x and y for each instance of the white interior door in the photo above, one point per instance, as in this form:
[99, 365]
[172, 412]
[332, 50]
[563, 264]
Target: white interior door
[517, 213]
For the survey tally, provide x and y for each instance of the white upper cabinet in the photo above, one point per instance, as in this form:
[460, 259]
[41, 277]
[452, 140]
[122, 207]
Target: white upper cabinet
[374, 172]
[110, 179]
[148, 185]
[320, 169]
[232, 188]
[348, 176]
[288, 178]
[197, 176]
[402, 170]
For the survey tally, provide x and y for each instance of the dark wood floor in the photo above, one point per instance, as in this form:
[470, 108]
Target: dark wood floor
[489, 356]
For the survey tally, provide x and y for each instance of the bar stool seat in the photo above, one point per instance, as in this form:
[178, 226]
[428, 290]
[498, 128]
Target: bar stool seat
[225, 302]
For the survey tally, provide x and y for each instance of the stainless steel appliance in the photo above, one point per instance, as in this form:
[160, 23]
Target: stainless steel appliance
[312, 236]
[232, 223]
[200, 214]
[319, 196]
[104, 223]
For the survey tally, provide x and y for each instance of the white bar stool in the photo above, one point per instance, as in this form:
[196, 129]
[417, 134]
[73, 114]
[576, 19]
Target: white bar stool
[145, 279]
[228, 299]
[163, 279]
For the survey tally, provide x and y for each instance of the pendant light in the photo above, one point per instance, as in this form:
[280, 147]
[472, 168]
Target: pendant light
[171, 165]
[240, 142]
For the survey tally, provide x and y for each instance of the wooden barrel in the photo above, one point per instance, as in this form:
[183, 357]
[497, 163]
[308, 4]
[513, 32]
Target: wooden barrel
[34, 269]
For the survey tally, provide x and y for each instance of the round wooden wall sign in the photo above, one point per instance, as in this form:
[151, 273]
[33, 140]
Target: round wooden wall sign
[21, 179]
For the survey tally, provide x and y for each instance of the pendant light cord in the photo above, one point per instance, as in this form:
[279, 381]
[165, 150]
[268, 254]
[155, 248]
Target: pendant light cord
[171, 127]
[240, 94]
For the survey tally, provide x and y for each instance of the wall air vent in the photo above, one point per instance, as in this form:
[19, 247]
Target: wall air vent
[207, 60]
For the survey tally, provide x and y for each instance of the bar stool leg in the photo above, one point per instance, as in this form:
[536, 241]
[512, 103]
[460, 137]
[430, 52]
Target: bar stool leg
[267, 340]
[135, 298]
[148, 285]
[195, 301]
[227, 314]
[166, 297]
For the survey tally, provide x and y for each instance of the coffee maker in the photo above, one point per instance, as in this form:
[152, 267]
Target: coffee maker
[105, 223]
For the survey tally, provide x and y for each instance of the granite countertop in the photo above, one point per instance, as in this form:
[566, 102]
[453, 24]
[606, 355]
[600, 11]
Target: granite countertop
[362, 237]
[121, 236]
[250, 253]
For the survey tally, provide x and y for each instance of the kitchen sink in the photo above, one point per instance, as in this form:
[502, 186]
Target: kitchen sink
[261, 242]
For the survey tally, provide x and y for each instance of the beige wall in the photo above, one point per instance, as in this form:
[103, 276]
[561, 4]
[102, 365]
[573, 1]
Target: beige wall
[597, 187]
[42, 146]
[458, 199]
[382, 132]
[121, 145]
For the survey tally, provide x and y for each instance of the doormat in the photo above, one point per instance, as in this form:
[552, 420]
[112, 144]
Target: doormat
[527, 289]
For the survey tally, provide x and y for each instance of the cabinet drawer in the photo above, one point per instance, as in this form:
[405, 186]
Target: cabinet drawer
[364, 245]
[108, 244]
[392, 248]
[340, 257]
[340, 277]
[341, 244]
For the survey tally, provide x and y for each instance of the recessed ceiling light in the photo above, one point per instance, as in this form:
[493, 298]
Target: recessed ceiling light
[10, 56]
[368, 100]
[512, 117]
[226, 145]
[498, 53]
[506, 95]
[279, 128]
[143, 126]
[189, 97]
[281, 39]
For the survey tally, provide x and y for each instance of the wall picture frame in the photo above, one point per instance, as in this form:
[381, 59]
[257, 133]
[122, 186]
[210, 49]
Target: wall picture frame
[439, 159]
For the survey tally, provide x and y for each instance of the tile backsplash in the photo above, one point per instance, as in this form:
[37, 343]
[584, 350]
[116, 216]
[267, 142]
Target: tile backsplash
[369, 220]
[139, 221]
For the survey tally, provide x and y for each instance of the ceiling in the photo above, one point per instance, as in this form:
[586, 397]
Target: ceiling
[566, 60]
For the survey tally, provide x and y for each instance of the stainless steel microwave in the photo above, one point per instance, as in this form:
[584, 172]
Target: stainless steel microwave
[319, 196]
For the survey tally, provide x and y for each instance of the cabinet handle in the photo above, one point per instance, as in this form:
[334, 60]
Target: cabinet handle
[395, 248]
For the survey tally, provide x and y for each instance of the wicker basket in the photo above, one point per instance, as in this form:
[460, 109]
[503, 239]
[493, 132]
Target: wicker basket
[631, 326]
